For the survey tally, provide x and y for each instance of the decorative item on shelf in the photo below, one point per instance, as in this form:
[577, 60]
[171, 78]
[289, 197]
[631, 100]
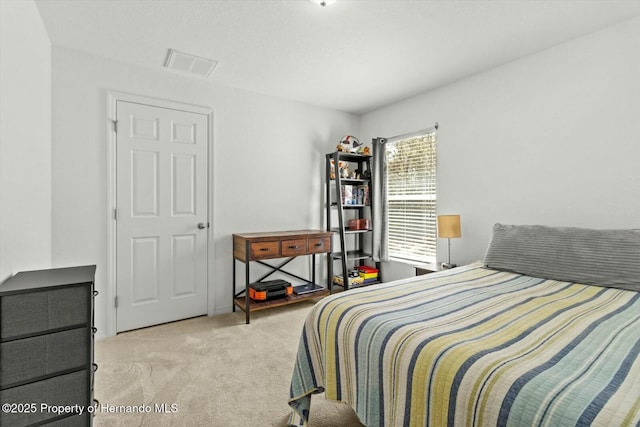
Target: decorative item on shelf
[332, 173]
[349, 144]
[344, 171]
[449, 228]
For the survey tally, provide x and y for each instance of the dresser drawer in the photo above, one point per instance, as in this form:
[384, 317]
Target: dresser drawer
[34, 312]
[70, 389]
[265, 250]
[319, 245]
[294, 247]
[29, 358]
[83, 420]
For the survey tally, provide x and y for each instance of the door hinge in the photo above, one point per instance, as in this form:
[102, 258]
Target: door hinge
[115, 214]
[116, 302]
[115, 125]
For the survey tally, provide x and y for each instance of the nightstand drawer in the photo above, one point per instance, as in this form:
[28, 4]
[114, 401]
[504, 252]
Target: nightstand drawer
[35, 312]
[294, 247]
[319, 245]
[265, 250]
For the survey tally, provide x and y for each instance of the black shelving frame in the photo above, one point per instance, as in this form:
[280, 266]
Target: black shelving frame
[363, 251]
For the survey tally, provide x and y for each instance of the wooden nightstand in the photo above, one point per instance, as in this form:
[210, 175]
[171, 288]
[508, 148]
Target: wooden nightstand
[427, 268]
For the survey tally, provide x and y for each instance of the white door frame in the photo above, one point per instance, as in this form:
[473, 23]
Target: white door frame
[111, 290]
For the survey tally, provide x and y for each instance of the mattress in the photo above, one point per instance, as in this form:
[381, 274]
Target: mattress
[474, 346]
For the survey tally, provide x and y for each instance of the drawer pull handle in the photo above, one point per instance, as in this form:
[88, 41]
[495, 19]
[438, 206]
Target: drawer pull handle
[94, 330]
[95, 367]
[264, 249]
[319, 244]
[293, 247]
[95, 293]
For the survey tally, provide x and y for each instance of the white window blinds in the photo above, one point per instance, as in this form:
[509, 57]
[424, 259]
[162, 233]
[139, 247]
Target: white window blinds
[410, 174]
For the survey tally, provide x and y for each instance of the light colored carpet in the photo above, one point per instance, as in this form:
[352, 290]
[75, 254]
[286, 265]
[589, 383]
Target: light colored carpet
[215, 371]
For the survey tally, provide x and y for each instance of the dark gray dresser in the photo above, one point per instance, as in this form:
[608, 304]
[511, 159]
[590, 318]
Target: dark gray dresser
[46, 347]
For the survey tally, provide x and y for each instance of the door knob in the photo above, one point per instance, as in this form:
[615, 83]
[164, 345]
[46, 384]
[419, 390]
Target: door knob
[202, 225]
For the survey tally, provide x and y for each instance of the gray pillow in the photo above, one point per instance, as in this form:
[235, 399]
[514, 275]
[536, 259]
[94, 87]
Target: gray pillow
[596, 257]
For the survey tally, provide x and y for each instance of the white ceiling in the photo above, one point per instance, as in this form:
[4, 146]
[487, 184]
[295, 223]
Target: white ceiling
[354, 55]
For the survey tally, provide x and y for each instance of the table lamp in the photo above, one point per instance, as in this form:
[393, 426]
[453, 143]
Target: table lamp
[449, 228]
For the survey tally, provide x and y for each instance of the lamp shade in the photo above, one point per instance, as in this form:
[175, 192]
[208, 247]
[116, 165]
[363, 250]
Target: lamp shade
[449, 226]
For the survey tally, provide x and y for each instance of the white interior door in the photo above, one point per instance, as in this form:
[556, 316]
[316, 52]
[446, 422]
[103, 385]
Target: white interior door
[162, 218]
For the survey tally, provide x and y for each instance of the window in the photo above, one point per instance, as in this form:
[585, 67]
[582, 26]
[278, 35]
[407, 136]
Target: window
[410, 197]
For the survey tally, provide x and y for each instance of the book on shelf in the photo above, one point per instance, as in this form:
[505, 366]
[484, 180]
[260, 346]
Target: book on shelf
[355, 194]
[347, 194]
[368, 273]
[365, 195]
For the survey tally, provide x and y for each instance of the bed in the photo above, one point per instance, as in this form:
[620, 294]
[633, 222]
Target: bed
[511, 340]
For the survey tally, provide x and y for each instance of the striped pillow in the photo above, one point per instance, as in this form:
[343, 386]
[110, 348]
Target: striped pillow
[596, 257]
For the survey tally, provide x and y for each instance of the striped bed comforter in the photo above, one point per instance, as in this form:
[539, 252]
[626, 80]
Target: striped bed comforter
[474, 346]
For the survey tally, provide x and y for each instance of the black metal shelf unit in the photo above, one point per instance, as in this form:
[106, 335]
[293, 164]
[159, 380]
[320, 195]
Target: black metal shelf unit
[356, 242]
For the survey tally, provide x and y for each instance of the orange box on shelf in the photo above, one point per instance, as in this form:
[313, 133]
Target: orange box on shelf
[358, 224]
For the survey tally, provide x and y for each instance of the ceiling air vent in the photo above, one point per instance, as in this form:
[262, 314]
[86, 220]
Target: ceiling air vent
[189, 64]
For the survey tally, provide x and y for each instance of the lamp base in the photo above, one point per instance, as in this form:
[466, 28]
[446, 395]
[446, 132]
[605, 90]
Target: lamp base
[448, 265]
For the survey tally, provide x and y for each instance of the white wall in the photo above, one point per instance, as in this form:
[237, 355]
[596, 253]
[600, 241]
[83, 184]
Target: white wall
[268, 160]
[25, 139]
[551, 138]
